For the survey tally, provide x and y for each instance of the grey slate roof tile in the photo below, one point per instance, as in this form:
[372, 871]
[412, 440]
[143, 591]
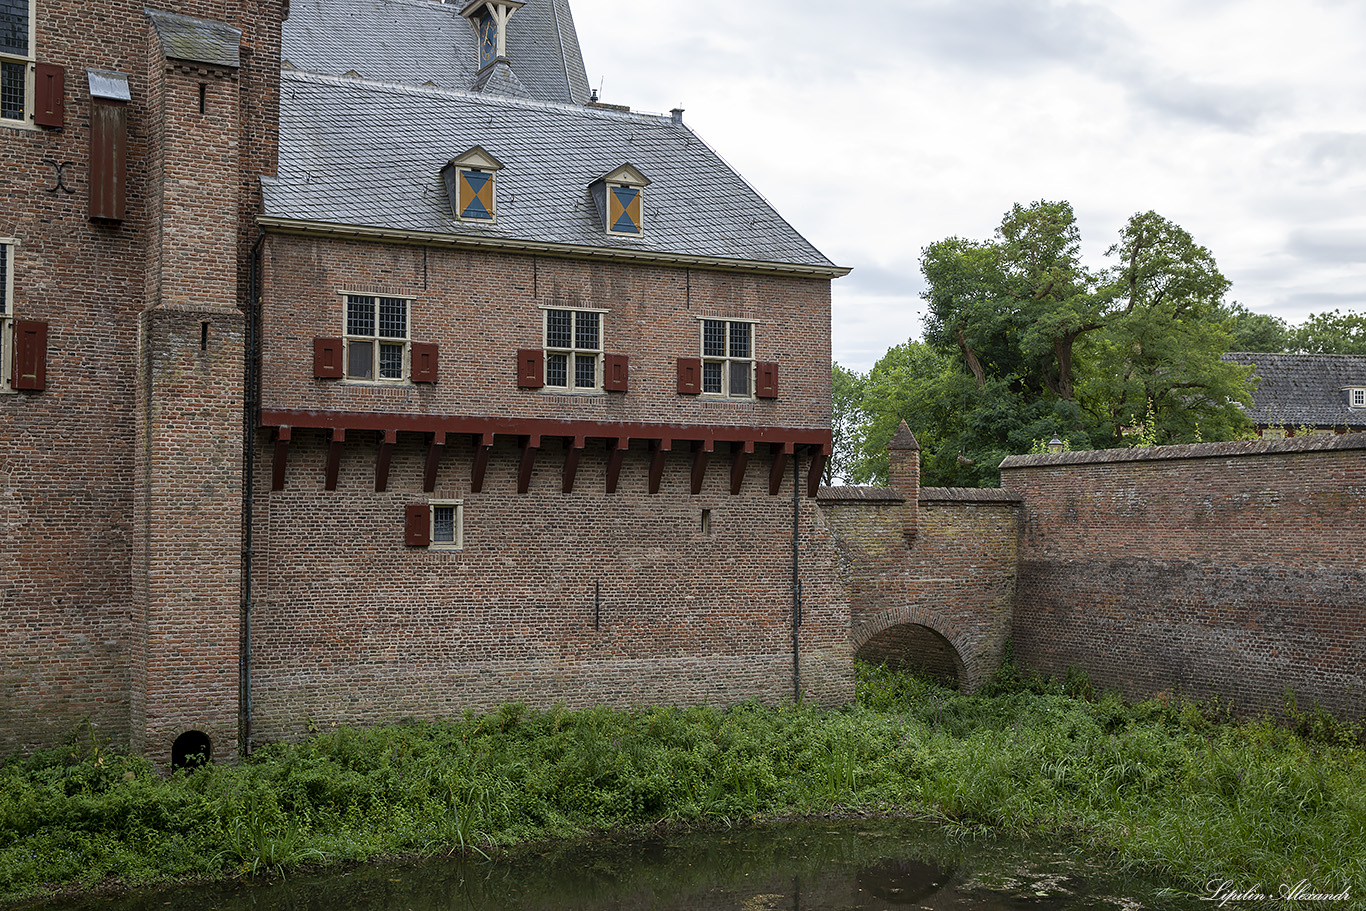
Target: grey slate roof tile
[1305, 389]
[357, 152]
[419, 41]
[198, 40]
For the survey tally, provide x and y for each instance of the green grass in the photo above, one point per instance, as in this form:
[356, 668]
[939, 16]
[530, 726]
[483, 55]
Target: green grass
[1162, 785]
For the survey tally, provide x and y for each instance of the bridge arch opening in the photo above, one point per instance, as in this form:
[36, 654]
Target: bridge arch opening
[918, 648]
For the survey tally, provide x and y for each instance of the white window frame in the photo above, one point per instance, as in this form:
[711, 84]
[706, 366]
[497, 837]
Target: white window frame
[7, 245]
[1356, 396]
[30, 64]
[572, 354]
[457, 508]
[376, 340]
[727, 360]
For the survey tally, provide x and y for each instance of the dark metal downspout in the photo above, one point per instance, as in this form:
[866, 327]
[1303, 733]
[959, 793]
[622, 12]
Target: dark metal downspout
[251, 405]
[796, 578]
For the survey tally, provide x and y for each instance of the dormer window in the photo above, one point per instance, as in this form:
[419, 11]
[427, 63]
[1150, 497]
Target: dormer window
[471, 183]
[490, 21]
[619, 196]
[1356, 396]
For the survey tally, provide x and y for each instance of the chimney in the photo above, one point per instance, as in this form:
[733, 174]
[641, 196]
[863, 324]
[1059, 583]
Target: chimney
[677, 114]
[903, 475]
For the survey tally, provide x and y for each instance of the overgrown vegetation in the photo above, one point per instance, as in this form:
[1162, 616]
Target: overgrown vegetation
[1164, 784]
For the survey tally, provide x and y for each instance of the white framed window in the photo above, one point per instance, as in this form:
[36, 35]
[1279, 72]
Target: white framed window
[17, 61]
[448, 525]
[377, 340]
[728, 358]
[6, 311]
[573, 350]
[1357, 397]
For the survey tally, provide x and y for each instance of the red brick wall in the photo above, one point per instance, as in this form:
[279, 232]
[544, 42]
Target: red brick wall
[350, 625]
[482, 307]
[1220, 569]
[71, 603]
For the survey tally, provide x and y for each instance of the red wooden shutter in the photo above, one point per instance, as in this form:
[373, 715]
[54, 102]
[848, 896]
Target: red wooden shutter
[49, 95]
[327, 358]
[689, 376]
[615, 372]
[30, 356]
[424, 362]
[418, 525]
[766, 381]
[108, 160]
[530, 368]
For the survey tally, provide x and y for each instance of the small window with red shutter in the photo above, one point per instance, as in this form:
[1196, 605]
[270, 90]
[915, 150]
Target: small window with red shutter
[438, 525]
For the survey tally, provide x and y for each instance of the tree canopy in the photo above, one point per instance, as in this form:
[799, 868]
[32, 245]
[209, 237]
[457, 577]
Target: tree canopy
[1023, 341]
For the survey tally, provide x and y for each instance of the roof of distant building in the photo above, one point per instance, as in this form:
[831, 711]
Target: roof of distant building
[1305, 389]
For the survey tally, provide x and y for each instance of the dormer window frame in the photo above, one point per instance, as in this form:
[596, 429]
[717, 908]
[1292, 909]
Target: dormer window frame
[471, 180]
[610, 192]
[1356, 396]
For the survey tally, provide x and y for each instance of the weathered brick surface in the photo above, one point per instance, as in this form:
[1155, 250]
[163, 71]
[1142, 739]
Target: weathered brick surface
[952, 582]
[1229, 570]
[351, 625]
[482, 307]
[76, 638]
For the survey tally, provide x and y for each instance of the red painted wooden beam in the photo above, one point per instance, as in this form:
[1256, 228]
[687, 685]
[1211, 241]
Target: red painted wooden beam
[616, 452]
[658, 450]
[519, 427]
[334, 448]
[277, 474]
[739, 460]
[701, 449]
[386, 452]
[483, 442]
[781, 453]
[434, 447]
[813, 478]
[572, 451]
[531, 443]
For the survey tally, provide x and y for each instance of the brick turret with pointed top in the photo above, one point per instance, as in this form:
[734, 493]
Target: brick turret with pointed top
[903, 474]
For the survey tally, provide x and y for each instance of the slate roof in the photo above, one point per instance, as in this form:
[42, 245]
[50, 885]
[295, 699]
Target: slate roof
[1307, 389]
[357, 152]
[420, 41]
[199, 40]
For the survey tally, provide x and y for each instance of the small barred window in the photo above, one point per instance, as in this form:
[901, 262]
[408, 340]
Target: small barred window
[447, 522]
[376, 337]
[728, 358]
[16, 58]
[573, 350]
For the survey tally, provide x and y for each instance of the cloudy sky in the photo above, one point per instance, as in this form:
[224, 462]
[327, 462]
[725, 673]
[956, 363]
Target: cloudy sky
[879, 127]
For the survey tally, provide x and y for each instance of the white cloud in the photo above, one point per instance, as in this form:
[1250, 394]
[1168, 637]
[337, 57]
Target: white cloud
[877, 129]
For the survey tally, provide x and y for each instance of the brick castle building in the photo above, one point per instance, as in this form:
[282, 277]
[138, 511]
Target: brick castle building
[359, 364]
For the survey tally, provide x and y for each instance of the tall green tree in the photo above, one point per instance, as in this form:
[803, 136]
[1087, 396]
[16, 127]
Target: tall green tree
[1023, 342]
[1331, 333]
[1255, 331]
[1158, 356]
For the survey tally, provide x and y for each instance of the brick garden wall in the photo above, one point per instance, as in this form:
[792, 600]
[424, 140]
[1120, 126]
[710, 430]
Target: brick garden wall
[1221, 569]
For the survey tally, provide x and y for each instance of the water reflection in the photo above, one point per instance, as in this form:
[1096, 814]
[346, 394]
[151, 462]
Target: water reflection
[868, 866]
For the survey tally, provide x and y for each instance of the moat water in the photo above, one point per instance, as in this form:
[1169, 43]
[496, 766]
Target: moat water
[875, 865]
